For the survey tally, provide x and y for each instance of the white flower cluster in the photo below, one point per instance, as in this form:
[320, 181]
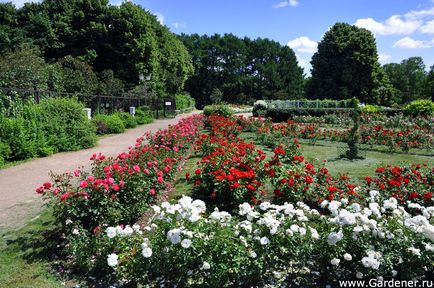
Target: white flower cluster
[122, 231]
[259, 229]
[186, 208]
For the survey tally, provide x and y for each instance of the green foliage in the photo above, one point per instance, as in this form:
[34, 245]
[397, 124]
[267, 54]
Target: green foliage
[126, 39]
[409, 79]
[242, 69]
[346, 65]
[54, 125]
[184, 101]
[128, 120]
[216, 96]
[143, 116]
[218, 109]
[370, 109]
[106, 124]
[419, 107]
[78, 76]
[260, 108]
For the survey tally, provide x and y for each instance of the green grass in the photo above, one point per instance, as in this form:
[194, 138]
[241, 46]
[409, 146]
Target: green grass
[26, 255]
[181, 185]
[356, 169]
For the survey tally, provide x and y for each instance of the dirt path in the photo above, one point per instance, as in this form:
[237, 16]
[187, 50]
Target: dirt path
[18, 201]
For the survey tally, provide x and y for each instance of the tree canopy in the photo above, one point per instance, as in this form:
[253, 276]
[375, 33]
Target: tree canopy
[409, 79]
[346, 65]
[125, 39]
[242, 69]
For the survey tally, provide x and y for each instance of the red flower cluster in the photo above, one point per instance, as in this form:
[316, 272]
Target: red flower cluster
[230, 170]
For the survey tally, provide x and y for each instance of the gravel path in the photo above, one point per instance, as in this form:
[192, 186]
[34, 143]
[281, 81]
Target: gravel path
[18, 201]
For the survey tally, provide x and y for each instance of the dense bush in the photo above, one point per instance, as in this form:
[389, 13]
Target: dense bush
[184, 101]
[260, 108]
[371, 109]
[128, 120]
[289, 245]
[54, 125]
[106, 124]
[218, 109]
[419, 107]
[143, 116]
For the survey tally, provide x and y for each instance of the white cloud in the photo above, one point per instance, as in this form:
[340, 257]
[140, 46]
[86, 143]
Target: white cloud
[382, 58]
[160, 17]
[396, 24]
[304, 63]
[409, 43]
[303, 45]
[428, 27]
[283, 4]
[179, 25]
[19, 3]
[406, 24]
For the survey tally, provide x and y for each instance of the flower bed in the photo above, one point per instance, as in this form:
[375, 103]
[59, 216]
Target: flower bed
[317, 230]
[395, 140]
[120, 189]
[272, 244]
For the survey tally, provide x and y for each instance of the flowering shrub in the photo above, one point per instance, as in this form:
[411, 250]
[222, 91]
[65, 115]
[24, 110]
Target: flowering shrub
[119, 189]
[414, 183]
[271, 244]
[229, 172]
[403, 139]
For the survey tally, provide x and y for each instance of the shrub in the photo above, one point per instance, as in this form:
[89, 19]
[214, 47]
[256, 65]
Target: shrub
[106, 124]
[260, 108]
[16, 139]
[218, 109]
[128, 120]
[270, 245]
[65, 125]
[370, 109]
[184, 101]
[420, 107]
[143, 116]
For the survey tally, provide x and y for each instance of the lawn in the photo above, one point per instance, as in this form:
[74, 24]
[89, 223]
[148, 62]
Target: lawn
[26, 255]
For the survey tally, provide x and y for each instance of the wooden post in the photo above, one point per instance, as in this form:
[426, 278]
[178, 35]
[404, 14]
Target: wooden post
[36, 93]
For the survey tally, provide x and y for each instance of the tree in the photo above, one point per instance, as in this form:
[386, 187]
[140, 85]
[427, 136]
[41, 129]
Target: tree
[242, 69]
[408, 78]
[429, 86]
[346, 65]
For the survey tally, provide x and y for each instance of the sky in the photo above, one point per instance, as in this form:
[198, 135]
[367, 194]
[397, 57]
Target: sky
[402, 28]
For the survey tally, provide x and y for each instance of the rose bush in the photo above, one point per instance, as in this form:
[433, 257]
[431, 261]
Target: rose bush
[272, 244]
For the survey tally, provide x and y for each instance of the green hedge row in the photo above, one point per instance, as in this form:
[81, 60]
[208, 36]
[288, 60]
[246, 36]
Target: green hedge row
[54, 125]
[118, 122]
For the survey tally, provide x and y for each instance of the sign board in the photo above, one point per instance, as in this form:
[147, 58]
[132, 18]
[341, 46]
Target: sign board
[168, 103]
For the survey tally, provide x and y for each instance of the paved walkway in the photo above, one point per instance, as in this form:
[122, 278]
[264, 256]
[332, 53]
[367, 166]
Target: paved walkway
[18, 201]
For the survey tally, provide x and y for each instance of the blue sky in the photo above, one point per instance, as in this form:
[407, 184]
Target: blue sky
[403, 28]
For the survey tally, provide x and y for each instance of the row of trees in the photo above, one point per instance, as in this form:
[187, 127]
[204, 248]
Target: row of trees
[410, 79]
[124, 39]
[241, 70]
[89, 46]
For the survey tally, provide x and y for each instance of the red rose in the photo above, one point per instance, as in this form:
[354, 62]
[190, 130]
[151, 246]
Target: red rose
[427, 196]
[83, 184]
[64, 196]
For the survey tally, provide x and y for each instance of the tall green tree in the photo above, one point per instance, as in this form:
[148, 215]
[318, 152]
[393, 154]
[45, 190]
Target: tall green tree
[408, 78]
[429, 90]
[346, 65]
